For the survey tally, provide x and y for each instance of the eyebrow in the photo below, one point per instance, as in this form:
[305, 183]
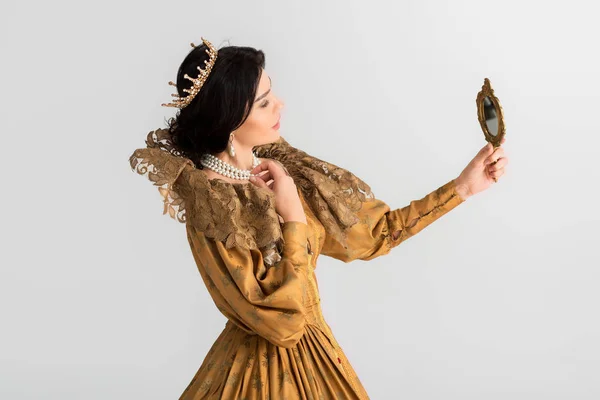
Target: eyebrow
[265, 93]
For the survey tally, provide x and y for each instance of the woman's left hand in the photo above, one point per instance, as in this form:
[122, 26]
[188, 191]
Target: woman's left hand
[483, 170]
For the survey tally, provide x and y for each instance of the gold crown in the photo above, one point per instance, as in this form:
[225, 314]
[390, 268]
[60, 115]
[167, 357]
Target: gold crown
[181, 102]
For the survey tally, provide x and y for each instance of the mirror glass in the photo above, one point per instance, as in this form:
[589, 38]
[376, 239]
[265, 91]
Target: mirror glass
[491, 116]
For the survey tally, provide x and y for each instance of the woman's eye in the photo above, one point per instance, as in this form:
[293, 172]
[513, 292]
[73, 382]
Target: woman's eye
[266, 103]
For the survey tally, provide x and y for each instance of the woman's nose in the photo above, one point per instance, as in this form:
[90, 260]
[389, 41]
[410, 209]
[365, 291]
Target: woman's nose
[281, 103]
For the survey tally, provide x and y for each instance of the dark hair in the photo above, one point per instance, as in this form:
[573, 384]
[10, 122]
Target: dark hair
[223, 103]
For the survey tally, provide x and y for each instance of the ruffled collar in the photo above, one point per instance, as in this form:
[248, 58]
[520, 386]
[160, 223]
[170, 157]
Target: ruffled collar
[243, 214]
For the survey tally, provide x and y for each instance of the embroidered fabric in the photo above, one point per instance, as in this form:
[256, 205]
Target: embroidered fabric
[242, 214]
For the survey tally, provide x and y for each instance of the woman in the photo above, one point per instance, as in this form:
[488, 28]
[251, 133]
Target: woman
[257, 218]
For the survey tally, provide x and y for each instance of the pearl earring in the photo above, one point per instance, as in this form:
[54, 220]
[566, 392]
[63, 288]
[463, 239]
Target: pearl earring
[231, 149]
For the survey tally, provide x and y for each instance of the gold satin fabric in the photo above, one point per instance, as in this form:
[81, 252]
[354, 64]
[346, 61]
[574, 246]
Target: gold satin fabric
[276, 343]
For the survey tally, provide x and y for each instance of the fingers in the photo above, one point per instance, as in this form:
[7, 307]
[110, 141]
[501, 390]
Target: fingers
[496, 170]
[499, 164]
[268, 182]
[267, 172]
[263, 166]
[490, 153]
[497, 154]
[258, 182]
[265, 176]
[483, 154]
[485, 150]
[496, 174]
[272, 167]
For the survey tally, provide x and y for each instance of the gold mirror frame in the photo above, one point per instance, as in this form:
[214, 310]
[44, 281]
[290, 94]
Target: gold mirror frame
[487, 91]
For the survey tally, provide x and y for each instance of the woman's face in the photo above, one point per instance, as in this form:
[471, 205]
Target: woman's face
[262, 125]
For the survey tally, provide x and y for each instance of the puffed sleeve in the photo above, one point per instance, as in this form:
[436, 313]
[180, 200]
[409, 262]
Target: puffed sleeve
[380, 229]
[260, 299]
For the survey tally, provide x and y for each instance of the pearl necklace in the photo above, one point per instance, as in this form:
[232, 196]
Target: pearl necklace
[221, 167]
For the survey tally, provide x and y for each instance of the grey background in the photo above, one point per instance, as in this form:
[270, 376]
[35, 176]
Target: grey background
[99, 294]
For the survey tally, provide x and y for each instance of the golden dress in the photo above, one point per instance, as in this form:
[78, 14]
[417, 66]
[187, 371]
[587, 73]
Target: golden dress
[260, 271]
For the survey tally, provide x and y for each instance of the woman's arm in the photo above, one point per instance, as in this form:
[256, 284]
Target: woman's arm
[380, 229]
[266, 300]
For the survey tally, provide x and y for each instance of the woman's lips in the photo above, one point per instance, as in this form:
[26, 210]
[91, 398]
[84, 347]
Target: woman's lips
[276, 125]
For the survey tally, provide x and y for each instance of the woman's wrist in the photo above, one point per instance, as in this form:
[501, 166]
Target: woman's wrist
[462, 189]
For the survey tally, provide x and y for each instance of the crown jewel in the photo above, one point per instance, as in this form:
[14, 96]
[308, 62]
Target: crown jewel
[181, 102]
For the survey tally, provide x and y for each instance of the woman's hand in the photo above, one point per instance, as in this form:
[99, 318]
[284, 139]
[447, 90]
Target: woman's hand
[287, 201]
[482, 171]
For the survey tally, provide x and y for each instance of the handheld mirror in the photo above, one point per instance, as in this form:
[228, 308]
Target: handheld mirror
[490, 115]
